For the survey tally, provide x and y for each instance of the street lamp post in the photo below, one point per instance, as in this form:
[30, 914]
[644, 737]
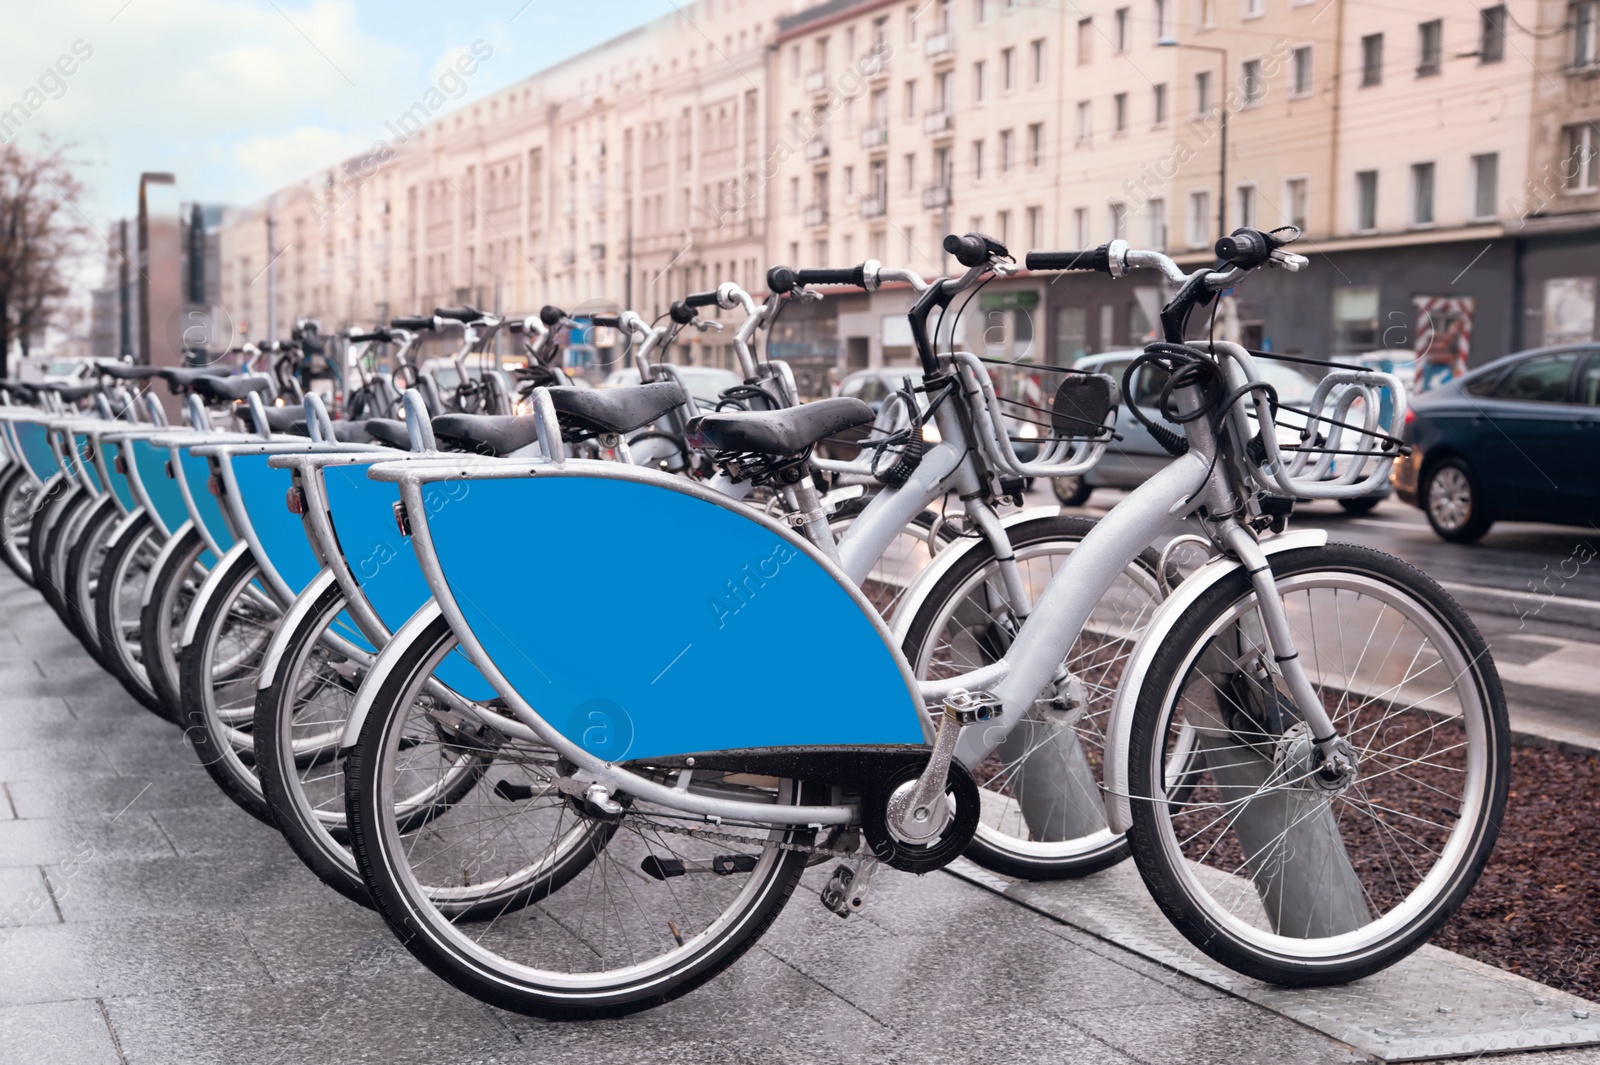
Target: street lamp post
[1222, 176]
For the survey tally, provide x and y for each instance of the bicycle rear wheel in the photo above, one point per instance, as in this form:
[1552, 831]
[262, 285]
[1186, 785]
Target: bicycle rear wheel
[84, 562]
[647, 909]
[300, 717]
[129, 556]
[17, 497]
[174, 582]
[1272, 868]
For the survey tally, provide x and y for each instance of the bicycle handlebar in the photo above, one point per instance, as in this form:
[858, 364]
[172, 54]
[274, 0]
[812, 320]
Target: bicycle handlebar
[378, 334]
[459, 314]
[413, 323]
[605, 321]
[1093, 259]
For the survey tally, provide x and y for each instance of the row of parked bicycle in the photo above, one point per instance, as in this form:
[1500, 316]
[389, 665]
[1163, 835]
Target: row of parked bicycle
[582, 789]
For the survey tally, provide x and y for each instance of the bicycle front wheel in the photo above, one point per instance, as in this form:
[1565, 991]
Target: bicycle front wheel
[17, 498]
[529, 899]
[1273, 868]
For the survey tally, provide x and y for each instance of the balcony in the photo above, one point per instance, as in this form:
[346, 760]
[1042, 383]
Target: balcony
[816, 148]
[597, 251]
[935, 197]
[875, 64]
[817, 82]
[940, 46]
[875, 136]
[937, 122]
[569, 257]
[873, 206]
[817, 215]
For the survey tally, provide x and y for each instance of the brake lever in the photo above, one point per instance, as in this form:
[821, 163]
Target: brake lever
[707, 326]
[1289, 260]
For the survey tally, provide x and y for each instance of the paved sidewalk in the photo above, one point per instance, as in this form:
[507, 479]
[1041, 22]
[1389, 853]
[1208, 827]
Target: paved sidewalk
[145, 919]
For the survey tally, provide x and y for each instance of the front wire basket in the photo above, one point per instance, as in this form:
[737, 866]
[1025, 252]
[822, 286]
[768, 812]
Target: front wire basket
[1063, 452]
[1348, 443]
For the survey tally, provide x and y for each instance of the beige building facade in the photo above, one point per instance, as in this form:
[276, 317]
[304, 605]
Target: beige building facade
[1429, 153]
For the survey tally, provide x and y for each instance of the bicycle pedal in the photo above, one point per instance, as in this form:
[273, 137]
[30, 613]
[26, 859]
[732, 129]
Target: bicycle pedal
[721, 865]
[846, 891]
[513, 792]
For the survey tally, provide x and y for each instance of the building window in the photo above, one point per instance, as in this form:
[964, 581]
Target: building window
[1119, 112]
[911, 99]
[1085, 41]
[977, 160]
[1584, 18]
[980, 15]
[980, 81]
[794, 195]
[1366, 201]
[1123, 20]
[1372, 60]
[1207, 10]
[1422, 194]
[1155, 212]
[1198, 230]
[1163, 18]
[1008, 69]
[1355, 318]
[1072, 335]
[1253, 8]
[1002, 225]
[1254, 86]
[1294, 202]
[1117, 215]
[1007, 151]
[1080, 227]
[1202, 92]
[1158, 105]
[1485, 185]
[794, 63]
[1492, 34]
[911, 171]
[1246, 195]
[1036, 52]
[1581, 164]
[1430, 47]
[1085, 120]
[1302, 70]
[1036, 227]
[1036, 144]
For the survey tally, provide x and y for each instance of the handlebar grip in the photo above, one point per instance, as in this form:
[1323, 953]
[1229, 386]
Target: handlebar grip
[850, 275]
[781, 279]
[551, 315]
[1093, 259]
[700, 299]
[973, 249]
[682, 313]
[1245, 247]
[412, 323]
[359, 338]
[605, 321]
[458, 314]
[515, 325]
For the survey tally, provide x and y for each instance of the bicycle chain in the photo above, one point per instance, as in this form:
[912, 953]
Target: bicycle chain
[727, 837]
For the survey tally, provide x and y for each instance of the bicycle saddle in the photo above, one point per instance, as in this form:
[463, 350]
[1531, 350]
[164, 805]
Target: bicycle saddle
[123, 371]
[613, 410]
[183, 378]
[390, 432]
[220, 388]
[71, 393]
[279, 419]
[777, 432]
[487, 434]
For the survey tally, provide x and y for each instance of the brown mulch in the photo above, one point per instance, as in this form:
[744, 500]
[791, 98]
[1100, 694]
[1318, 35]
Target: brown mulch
[1536, 910]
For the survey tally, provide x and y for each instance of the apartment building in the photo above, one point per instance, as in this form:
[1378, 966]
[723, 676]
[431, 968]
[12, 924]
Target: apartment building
[617, 178]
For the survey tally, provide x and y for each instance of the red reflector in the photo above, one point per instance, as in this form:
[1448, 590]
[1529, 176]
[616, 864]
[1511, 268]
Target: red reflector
[297, 501]
[1411, 415]
[214, 485]
[170, 475]
[402, 520]
[121, 465]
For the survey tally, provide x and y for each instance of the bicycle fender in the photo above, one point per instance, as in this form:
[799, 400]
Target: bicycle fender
[1119, 728]
[922, 584]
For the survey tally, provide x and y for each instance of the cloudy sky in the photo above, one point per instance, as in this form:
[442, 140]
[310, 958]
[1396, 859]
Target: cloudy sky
[238, 97]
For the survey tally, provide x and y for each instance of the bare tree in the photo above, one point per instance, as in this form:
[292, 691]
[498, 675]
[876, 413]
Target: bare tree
[42, 233]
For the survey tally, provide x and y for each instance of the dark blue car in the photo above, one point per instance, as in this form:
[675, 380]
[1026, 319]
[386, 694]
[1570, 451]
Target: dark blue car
[1516, 440]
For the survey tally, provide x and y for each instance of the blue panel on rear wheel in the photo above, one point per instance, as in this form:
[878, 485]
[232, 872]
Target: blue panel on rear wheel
[166, 498]
[642, 621]
[119, 482]
[196, 473]
[35, 444]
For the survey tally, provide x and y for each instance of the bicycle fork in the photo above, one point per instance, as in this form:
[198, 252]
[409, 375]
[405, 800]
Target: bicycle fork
[1334, 757]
